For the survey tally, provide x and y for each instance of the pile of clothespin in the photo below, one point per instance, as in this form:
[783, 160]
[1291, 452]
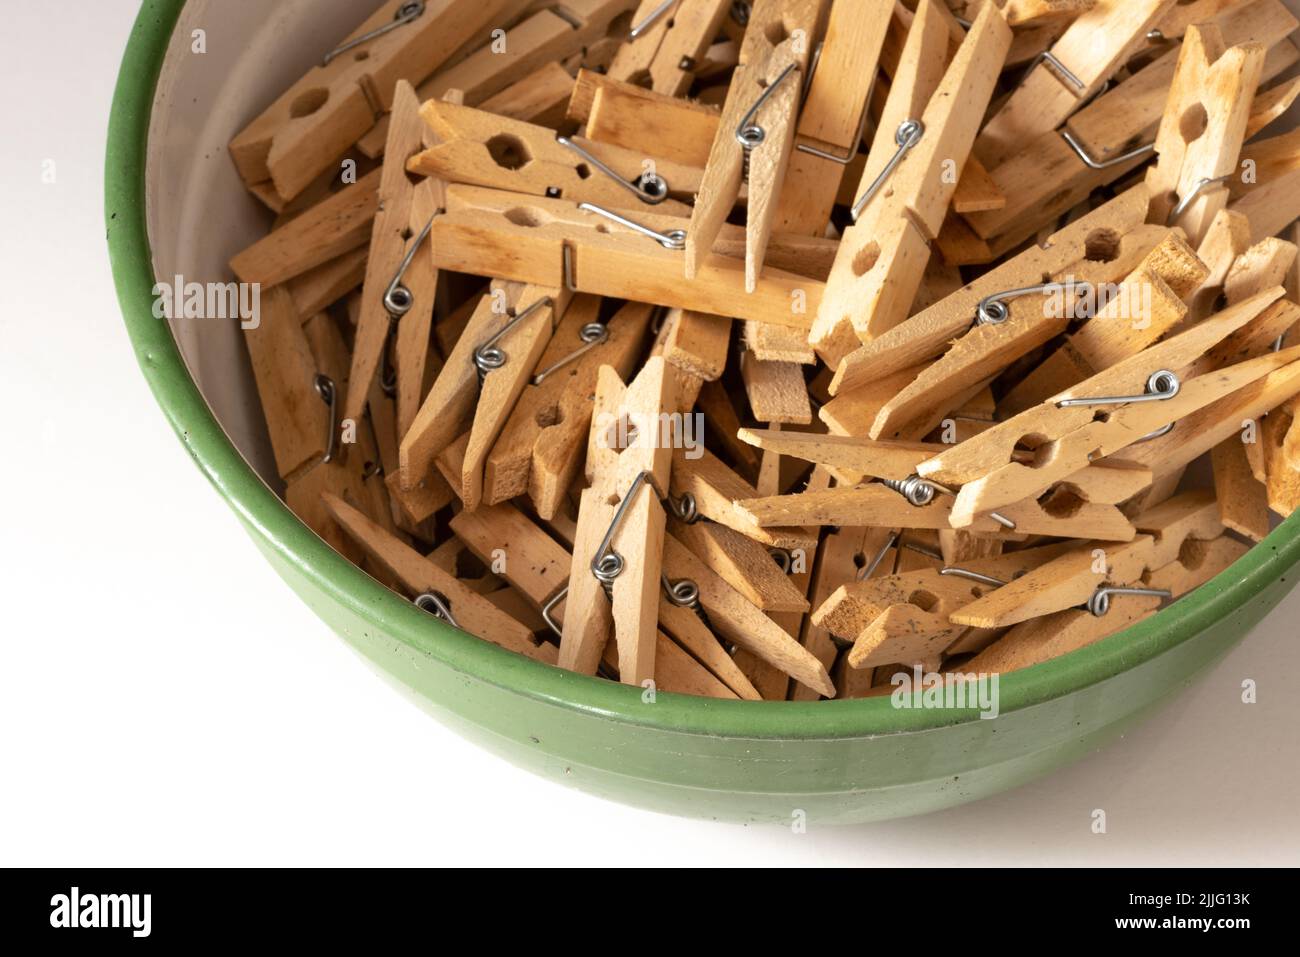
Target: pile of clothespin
[765, 349]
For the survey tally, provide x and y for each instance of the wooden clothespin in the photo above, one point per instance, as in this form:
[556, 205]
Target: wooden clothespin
[1050, 636]
[483, 149]
[1235, 414]
[333, 227]
[668, 43]
[1003, 314]
[310, 127]
[831, 126]
[299, 402]
[397, 297]
[834, 114]
[1094, 46]
[907, 613]
[355, 477]
[1203, 128]
[1139, 396]
[905, 194]
[595, 250]
[741, 623]
[1086, 507]
[462, 607]
[1080, 576]
[537, 566]
[541, 446]
[756, 132]
[1150, 302]
[478, 384]
[620, 534]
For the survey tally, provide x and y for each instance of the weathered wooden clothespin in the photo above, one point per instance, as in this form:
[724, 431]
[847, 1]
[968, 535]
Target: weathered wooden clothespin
[1049, 636]
[834, 114]
[1002, 315]
[456, 603]
[1089, 574]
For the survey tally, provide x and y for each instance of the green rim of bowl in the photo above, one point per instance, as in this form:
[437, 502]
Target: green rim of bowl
[388, 614]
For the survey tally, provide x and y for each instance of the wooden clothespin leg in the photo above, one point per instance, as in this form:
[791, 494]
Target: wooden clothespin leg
[400, 283]
[756, 132]
[834, 114]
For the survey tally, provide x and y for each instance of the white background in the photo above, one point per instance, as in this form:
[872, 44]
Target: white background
[165, 699]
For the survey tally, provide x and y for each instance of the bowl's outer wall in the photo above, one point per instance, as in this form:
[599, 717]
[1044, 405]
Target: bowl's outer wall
[837, 761]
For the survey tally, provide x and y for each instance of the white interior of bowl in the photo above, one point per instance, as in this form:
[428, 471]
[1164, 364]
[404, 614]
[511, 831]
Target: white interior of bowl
[199, 214]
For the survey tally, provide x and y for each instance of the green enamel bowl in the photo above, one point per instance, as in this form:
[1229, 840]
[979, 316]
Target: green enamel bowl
[835, 761]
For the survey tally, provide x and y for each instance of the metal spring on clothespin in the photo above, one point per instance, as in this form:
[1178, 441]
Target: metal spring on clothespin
[993, 310]
[398, 301]
[406, 13]
[1099, 603]
[870, 567]
[972, 576]
[676, 239]
[1196, 190]
[684, 508]
[907, 135]
[751, 135]
[592, 334]
[915, 489]
[437, 605]
[846, 158]
[920, 492]
[489, 356]
[649, 187]
[650, 19]
[1161, 386]
[329, 394]
[1092, 163]
[1047, 56]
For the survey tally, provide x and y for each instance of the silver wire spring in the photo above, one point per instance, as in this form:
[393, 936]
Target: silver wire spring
[915, 489]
